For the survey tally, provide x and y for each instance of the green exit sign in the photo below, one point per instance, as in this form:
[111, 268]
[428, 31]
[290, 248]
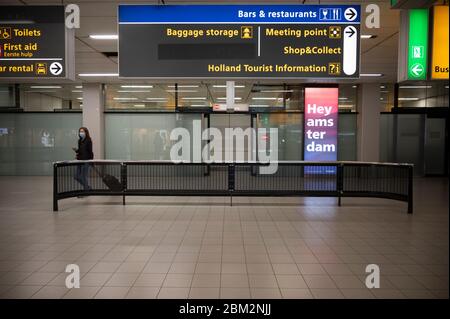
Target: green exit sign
[418, 44]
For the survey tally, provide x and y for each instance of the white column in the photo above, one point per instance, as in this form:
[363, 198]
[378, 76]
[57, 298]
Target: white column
[93, 118]
[368, 136]
[230, 95]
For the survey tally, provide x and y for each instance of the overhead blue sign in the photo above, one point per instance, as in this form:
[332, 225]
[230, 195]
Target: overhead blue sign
[235, 14]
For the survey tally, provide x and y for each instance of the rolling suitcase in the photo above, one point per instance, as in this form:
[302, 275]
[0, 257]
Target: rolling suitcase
[110, 181]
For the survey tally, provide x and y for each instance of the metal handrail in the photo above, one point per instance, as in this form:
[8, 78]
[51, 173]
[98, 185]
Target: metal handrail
[346, 179]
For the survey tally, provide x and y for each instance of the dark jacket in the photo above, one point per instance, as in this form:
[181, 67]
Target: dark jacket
[84, 151]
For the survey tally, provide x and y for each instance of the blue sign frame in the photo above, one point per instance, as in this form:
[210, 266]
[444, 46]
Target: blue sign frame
[230, 14]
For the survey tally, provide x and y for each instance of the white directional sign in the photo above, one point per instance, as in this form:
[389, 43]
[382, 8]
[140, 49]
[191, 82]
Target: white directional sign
[350, 50]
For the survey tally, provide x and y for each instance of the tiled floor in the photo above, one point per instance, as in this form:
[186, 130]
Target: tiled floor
[202, 248]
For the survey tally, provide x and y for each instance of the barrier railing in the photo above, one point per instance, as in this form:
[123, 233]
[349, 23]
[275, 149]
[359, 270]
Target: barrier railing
[291, 178]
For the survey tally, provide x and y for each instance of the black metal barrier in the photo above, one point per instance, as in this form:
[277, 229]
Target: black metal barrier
[286, 178]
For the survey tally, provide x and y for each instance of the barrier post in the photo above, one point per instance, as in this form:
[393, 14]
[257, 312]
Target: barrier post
[123, 177]
[55, 187]
[231, 176]
[340, 181]
[410, 189]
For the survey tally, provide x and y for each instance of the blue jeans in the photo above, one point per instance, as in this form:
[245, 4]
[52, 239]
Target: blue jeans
[82, 175]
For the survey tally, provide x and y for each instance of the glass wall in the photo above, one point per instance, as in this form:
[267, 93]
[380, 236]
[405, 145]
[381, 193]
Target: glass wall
[348, 97]
[387, 97]
[423, 94]
[38, 97]
[30, 143]
[50, 97]
[402, 139]
[140, 97]
[416, 139]
[387, 138]
[347, 130]
[7, 96]
[290, 133]
[419, 94]
[146, 136]
[211, 96]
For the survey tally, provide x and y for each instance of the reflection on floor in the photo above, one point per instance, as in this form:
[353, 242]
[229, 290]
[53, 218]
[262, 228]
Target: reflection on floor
[200, 247]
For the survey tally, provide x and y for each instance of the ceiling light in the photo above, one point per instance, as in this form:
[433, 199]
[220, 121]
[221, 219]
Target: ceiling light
[125, 98]
[198, 105]
[137, 86]
[224, 86]
[45, 87]
[139, 105]
[264, 98]
[137, 91]
[259, 105]
[183, 86]
[193, 98]
[98, 74]
[408, 98]
[371, 74]
[79, 98]
[41, 91]
[343, 98]
[276, 91]
[181, 91]
[104, 36]
[345, 106]
[367, 36]
[354, 86]
[77, 91]
[78, 86]
[224, 98]
[415, 87]
[17, 22]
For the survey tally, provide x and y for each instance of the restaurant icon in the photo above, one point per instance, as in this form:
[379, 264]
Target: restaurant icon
[246, 32]
[5, 33]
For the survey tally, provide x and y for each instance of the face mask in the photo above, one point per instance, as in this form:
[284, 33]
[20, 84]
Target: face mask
[82, 135]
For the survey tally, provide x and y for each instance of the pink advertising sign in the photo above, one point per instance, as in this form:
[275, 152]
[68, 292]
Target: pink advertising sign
[321, 116]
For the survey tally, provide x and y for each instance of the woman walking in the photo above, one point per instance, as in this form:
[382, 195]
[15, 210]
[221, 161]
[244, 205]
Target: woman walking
[84, 152]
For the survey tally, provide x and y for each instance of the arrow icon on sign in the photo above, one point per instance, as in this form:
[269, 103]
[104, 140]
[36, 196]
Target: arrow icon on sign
[56, 68]
[350, 31]
[417, 69]
[350, 14]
